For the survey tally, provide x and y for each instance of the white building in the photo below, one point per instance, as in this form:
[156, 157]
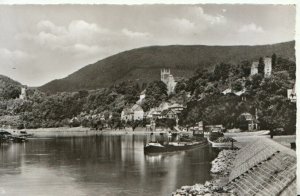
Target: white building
[254, 68]
[138, 112]
[168, 79]
[268, 67]
[127, 114]
[291, 94]
[252, 121]
[142, 97]
[23, 93]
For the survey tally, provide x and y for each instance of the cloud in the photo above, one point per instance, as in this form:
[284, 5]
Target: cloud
[198, 14]
[48, 26]
[13, 55]
[134, 34]
[251, 28]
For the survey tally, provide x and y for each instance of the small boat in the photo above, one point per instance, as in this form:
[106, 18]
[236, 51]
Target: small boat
[25, 134]
[214, 144]
[18, 139]
[217, 140]
[6, 136]
[155, 147]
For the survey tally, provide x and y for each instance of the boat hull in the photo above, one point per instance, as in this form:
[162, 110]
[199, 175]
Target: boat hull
[221, 144]
[247, 134]
[173, 148]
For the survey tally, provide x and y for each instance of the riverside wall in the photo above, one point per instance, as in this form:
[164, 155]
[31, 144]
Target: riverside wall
[262, 167]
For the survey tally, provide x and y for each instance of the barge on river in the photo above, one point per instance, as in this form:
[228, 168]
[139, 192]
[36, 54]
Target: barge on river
[153, 147]
[176, 142]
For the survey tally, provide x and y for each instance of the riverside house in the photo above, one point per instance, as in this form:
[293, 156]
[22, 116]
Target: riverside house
[252, 122]
[135, 112]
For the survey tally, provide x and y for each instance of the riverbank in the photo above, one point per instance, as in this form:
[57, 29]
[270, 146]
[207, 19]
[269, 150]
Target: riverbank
[221, 167]
[81, 131]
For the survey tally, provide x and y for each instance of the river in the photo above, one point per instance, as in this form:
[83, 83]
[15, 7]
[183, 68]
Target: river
[97, 165]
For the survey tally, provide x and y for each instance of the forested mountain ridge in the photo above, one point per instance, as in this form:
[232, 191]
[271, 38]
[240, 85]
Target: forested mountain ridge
[143, 64]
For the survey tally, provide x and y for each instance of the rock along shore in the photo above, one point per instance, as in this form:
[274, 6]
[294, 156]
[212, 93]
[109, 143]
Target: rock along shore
[221, 167]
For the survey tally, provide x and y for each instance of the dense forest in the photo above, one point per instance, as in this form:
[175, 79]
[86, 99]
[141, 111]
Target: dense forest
[201, 93]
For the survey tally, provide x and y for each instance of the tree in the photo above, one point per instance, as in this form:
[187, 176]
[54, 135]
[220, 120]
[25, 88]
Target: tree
[261, 66]
[237, 85]
[274, 60]
[256, 81]
[180, 86]
[245, 68]
[222, 71]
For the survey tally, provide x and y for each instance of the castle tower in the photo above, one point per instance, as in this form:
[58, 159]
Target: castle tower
[167, 78]
[164, 75]
[268, 67]
[254, 68]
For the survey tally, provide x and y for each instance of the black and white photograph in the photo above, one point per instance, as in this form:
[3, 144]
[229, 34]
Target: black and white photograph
[148, 99]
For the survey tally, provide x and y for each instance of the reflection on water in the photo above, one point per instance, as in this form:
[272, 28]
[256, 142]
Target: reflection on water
[97, 165]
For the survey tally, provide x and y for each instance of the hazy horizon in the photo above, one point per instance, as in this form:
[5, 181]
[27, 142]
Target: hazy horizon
[40, 43]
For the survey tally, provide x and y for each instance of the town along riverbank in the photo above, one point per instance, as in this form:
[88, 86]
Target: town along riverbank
[262, 167]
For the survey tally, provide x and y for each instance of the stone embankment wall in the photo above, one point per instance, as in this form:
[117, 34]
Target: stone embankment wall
[263, 167]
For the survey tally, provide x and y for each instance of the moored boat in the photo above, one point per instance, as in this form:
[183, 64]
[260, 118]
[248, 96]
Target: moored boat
[217, 144]
[6, 137]
[25, 134]
[155, 147]
[18, 139]
[247, 133]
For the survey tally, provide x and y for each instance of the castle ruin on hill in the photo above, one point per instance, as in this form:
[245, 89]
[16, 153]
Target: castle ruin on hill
[168, 79]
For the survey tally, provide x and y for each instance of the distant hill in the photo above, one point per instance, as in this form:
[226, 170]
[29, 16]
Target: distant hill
[144, 64]
[9, 88]
[6, 81]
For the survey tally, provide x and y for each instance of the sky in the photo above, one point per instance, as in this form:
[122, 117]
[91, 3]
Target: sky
[39, 43]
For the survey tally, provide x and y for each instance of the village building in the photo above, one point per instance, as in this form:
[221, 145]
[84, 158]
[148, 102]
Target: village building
[169, 114]
[168, 79]
[164, 106]
[138, 112]
[214, 128]
[268, 67]
[291, 94]
[127, 114]
[200, 126]
[165, 110]
[135, 112]
[254, 68]
[252, 122]
[176, 107]
[227, 91]
[237, 93]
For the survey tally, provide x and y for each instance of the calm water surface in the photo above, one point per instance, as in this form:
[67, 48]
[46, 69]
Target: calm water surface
[97, 165]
